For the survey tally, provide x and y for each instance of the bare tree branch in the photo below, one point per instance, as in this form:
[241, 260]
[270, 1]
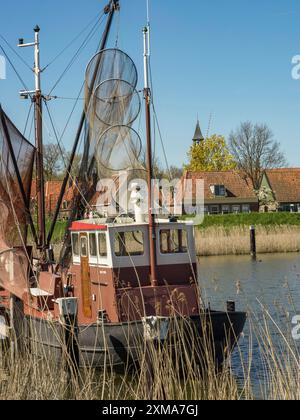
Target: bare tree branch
[255, 150]
[52, 161]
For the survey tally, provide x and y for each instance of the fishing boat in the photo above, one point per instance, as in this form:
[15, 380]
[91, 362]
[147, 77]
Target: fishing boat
[122, 278]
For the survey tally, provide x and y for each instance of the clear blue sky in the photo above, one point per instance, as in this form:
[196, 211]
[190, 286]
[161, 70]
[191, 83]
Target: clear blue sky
[230, 58]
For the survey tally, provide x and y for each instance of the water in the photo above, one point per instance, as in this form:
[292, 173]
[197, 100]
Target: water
[269, 289]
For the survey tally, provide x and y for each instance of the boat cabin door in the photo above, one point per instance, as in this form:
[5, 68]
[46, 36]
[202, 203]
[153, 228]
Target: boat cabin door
[85, 276]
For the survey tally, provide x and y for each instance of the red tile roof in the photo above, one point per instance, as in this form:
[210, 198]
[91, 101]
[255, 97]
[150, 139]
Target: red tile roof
[52, 191]
[285, 184]
[236, 185]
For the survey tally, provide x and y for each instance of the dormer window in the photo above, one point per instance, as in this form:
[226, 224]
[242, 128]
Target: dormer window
[219, 190]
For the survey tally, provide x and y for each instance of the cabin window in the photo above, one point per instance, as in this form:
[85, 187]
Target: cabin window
[102, 244]
[93, 245]
[173, 241]
[75, 244]
[129, 244]
[84, 246]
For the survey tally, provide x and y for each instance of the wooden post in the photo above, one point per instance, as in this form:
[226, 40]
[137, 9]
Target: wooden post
[253, 242]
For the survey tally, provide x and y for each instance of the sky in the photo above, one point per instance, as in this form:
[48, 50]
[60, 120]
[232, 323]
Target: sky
[224, 61]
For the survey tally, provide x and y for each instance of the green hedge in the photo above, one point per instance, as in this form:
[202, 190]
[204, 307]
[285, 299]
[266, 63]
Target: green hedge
[245, 219]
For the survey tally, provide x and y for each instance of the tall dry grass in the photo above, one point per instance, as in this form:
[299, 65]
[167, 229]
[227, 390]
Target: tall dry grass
[236, 240]
[26, 376]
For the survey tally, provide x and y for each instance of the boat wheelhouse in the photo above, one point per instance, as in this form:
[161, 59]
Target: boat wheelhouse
[111, 270]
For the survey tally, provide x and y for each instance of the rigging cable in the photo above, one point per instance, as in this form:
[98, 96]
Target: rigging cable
[98, 17]
[88, 38]
[152, 100]
[63, 158]
[15, 70]
[16, 53]
[27, 119]
[158, 125]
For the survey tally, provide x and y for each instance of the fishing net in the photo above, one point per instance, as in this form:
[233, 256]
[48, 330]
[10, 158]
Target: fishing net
[112, 105]
[115, 102]
[107, 65]
[119, 148]
[13, 218]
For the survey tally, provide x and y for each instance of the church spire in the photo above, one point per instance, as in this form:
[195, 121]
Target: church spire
[198, 136]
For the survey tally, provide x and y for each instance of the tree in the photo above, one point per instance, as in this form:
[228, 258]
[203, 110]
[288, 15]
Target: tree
[52, 155]
[255, 150]
[175, 172]
[76, 164]
[211, 154]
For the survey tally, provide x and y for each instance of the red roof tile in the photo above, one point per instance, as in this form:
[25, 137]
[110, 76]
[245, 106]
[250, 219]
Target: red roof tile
[236, 185]
[285, 184]
[52, 191]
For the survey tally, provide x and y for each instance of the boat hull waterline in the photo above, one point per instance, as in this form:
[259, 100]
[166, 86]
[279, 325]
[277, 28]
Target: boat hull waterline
[121, 345]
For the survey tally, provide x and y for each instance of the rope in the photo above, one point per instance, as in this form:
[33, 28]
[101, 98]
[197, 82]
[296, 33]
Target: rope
[98, 17]
[157, 122]
[63, 158]
[16, 53]
[88, 38]
[27, 119]
[15, 70]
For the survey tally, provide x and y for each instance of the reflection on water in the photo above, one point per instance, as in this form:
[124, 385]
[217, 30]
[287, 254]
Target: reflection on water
[269, 289]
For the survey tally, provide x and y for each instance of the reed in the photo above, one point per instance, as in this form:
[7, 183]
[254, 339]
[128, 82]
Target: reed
[174, 376]
[218, 240]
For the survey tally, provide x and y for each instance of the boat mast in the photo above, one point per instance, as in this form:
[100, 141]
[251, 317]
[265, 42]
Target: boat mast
[151, 215]
[110, 9]
[37, 98]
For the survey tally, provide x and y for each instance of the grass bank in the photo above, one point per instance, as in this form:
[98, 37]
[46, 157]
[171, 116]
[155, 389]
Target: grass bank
[229, 234]
[247, 219]
[219, 240]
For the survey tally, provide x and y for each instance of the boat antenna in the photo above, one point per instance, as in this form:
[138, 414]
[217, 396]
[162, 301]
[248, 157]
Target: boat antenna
[147, 97]
[37, 98]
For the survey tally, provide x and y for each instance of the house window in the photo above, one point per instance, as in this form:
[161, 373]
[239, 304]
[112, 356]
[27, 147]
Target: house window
[225, 209]
[246, 208]
[220, 190]
[173, 241]
[205, 209]
[93, 245]
[65, 205]
[129, 244]
[285, 208]
[75, 244]
[236, 209]
[214, 209]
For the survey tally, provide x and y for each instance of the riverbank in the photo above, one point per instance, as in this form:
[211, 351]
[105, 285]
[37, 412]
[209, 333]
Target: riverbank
[229, 234]
[220, 240]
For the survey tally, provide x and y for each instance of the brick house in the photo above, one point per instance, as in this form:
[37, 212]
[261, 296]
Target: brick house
[52, 191]
[281, 190]
[225, 192]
